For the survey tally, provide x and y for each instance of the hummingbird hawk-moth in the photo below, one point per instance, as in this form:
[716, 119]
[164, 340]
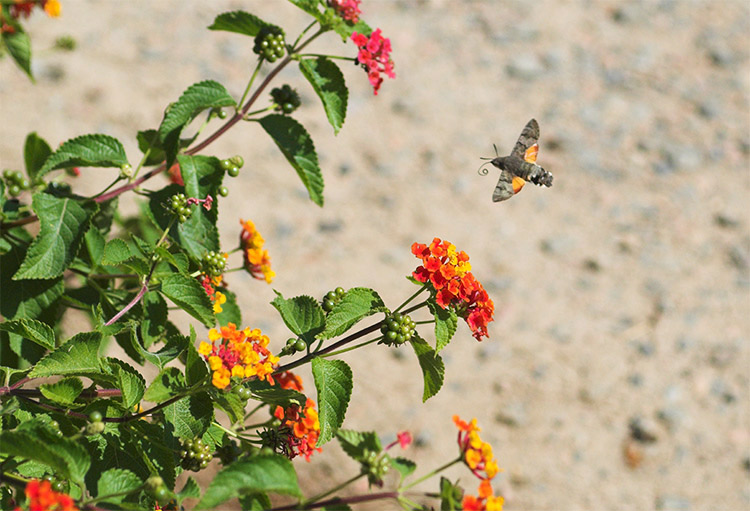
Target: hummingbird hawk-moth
[520, 166]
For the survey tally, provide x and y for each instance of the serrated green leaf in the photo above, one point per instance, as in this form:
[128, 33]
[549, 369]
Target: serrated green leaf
[63, 224]
[191, 490]
[189, 295]
[404, 466]
[172, 349]
[115, 252]
[446, 322]
[33, 330]
[230, 311]
[301, 314]
[65, 457]
[310, 7]
[345, 30]
[86, 151]
[78, 355]
[76, 458]
[95, 243]
[432, 366]
[36, 150]
[240, 22]
[129, 381]
[231, 404]
[148, 140]
[260, 474]
[189, 417]
[328, 81]
[117, 482]
[278, 396]
[168, 383]
[358, 443]
[153, 325]
[18, 45]
[356, 304]
[195, 367]
[195, 99]
[63, 392]
[451, 496]
[24, 298]
[333, 380]
[297, 147]
[255, 502]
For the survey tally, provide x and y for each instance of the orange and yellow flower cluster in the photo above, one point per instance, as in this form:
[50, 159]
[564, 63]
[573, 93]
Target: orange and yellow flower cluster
[240, 353]
[303, 429]
[257, 260]
[19, 8]
[210, 284]
[41, 497]
[449, 273]
[478, 456]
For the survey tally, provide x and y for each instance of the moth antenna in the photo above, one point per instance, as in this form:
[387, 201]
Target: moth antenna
[482, 171]
[496, 154]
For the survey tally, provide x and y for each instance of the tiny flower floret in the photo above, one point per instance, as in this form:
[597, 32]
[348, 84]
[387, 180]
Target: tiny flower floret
[477, 454]
[374, 56]
[485, 501]
[238, 353]
[257, 260]
[448, 272]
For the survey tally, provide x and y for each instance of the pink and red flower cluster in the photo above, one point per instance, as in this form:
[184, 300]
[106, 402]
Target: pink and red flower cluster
[449, 273]
[347, 9]
[302, 427]
[41, 497]
[374, 56]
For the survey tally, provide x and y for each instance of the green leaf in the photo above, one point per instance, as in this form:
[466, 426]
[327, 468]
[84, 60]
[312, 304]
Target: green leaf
[333, 379]
[191, 490]
[33, 330]
[117, 482]
[190, 416]
[116, 251]
[345, 29]
[451, 496]
[63, 224]
[37, 442]
[446, 322]
[148, 140]
[78, 355]
[297, 147]
[240, 22]
[255, 502]
[172, 349]
[153, 325]
[358, 443]
[302, 315]
[202, 175]
[357, 303]
[230, 312]
[189, 295]
[404, 466]
[195, 367]
[231, 404]
[95, 243]
[277, 396]
[260, 474]
[129, 381]
[168, 383]
[24, 298]
[18, 45]
[63, 392]
[310, 7]
[195, 99]
[86, 151]
[35, 152]
[432, 366]
[328, 81]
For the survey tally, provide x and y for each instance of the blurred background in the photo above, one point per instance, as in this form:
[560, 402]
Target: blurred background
[616, 372]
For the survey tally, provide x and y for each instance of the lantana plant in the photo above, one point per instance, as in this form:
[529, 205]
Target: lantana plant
[80, 430]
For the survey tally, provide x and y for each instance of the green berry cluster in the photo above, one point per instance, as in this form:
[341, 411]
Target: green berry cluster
[58, 485]
[95, 425]
[213, 264]
[229, 452]
[375, 467]
[269, 43]
[195, 454]
[179, 206]
[397, 329]
[286, 99]
[232, 165]
[294, 345]
[242, 392]
[15, 182]
[157, 489]
[332, 298]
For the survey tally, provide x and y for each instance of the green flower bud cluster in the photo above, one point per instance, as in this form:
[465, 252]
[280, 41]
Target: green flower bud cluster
[397, 329]
[195, 454]
[332, 298]
[15, 182]
[286, 99]
[375, 467]
[179, 206]
[213, 264]
[269, 43]
[156, 488]
[95, 426]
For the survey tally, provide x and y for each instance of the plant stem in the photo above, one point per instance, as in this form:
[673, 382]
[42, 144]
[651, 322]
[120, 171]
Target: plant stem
[250, 82]
[412, 297]
[332, 490]
[350, 348]
[431, 474]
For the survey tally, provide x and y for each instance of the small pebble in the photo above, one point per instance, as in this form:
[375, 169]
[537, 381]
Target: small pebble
[643, 429]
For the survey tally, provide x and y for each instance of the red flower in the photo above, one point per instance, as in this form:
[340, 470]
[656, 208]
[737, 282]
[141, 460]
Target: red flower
[374, 56]
[299, 429]
[41, 497]
[347, 9]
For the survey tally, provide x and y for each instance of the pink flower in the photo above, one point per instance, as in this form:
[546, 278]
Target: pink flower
[374, 56]
[347, 9]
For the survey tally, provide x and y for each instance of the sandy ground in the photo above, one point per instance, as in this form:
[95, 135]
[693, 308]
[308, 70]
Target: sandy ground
[622, 292]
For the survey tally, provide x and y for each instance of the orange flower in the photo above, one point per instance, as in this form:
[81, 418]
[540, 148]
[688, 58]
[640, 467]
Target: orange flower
[477, 454]
[240, 353]
[448, 272]
[299, 430]
[257, 260]
[289, 380]
[41, 497]
[486, 501]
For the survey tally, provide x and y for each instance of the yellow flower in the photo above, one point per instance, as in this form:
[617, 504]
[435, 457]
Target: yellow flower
[219, 299]
[52, 8]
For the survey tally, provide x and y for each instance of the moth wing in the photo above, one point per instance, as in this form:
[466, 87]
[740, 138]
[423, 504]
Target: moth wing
[504, 189]
[531, 152]
[529, 137]
[517, 184]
